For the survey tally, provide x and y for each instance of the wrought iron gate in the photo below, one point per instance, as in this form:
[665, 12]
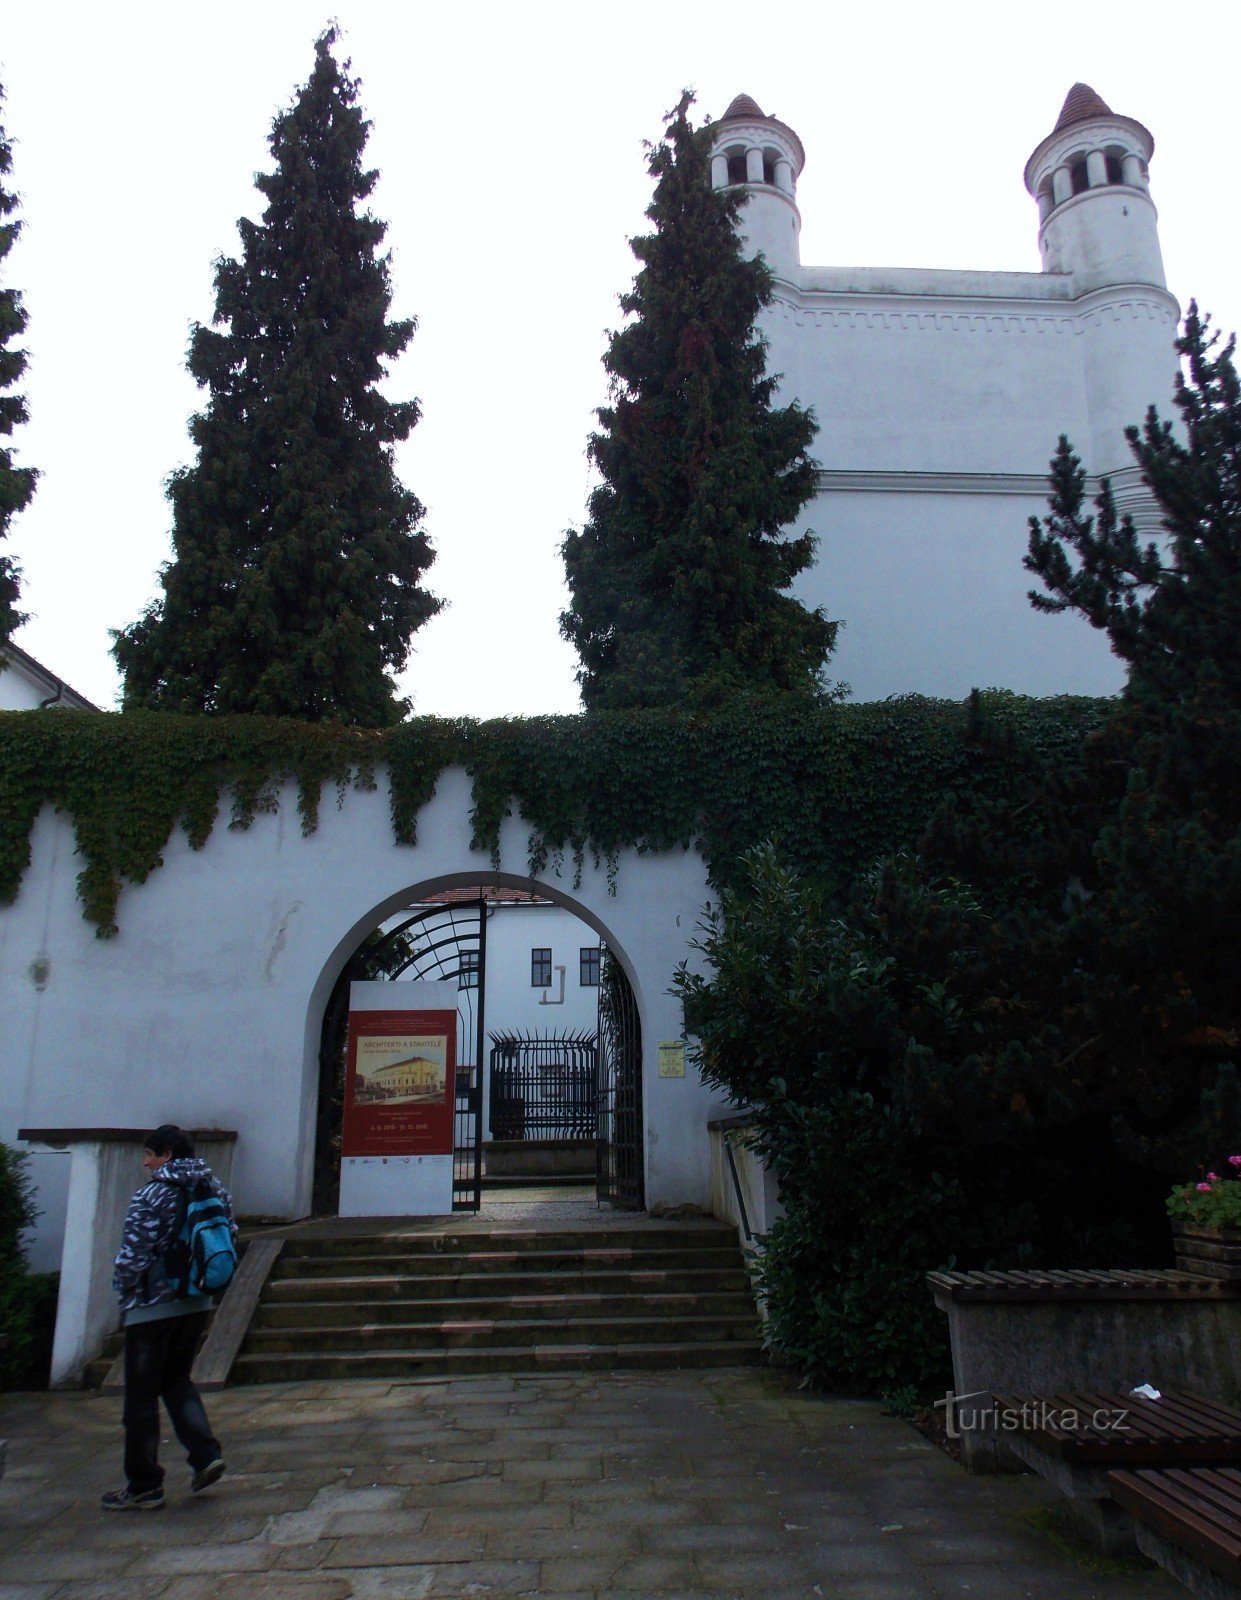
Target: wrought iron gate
[442, 943]
[543, 1086]
[619, 1148]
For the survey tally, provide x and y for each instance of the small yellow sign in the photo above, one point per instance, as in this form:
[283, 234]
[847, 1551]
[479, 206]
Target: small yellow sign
[672, 1058]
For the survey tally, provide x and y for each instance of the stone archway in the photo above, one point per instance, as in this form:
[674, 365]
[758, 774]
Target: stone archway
[621, 1144]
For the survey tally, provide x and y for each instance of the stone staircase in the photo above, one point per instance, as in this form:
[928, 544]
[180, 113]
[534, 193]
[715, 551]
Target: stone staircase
[646, 1294]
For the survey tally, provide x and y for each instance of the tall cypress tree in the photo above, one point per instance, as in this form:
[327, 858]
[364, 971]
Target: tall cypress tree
[1158, 936]
[679, 579]
[294, 587]
[16, 483]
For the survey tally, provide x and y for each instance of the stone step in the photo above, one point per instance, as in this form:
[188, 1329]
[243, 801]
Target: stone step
[471, 1285]
[97, 1370]
[485, 1333]
[600, 1258]
[362, 1309]
[641, 1236]
[323, 1366]
[505, 1299]
[521, 1181]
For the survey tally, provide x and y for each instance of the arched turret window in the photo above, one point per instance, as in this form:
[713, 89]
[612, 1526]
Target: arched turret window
[769, 167]
[736, 166]
[1114, 158]
[1078, 176]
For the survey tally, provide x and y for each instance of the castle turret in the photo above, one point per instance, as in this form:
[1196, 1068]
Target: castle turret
[1091, 180]
[754, 151]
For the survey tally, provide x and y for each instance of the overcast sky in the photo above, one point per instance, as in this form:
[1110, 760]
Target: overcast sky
[510, 142]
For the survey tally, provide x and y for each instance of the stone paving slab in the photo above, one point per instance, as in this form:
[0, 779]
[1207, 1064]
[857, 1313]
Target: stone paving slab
[713, 1485]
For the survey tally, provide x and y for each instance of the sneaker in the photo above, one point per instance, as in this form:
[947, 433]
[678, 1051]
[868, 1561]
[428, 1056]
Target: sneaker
[127, 1500]
[206, 1476]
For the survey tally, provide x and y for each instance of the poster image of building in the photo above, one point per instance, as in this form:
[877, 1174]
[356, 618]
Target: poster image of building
[401, 1070]
[400, 1083]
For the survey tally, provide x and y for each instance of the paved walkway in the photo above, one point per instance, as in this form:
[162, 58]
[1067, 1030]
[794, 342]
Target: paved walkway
[719, 1485]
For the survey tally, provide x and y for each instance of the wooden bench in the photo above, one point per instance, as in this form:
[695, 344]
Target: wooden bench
[1040, 1332]
[1075, 1439]
[1188, 1519]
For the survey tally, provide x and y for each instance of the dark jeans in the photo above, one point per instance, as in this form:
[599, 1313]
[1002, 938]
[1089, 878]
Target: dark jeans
[158, 1358]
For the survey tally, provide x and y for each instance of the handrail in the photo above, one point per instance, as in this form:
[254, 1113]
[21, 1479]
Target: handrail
[732, 1167]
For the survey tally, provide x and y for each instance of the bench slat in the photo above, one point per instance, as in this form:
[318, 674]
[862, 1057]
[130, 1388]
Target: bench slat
[1175, 1507]
[1219, 1488]
[1118, 1283]
[1178, 1428]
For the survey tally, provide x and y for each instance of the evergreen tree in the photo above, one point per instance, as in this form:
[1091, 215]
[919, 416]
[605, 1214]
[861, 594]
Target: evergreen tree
[679, 577]
[294, 586]
[16, 483]
[1164, 923]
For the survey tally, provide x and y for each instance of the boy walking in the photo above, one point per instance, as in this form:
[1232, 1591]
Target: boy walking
[163, 1325]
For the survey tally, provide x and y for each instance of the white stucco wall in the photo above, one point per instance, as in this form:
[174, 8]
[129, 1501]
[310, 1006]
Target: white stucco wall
[513, 1004]
[933, 596]
[940, 396]
[19, 690]
[939, 414]
[207, 1007]
[25, 684]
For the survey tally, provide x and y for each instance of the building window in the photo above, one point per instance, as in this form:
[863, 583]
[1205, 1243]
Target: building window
[588, 969]
[769, 169]
[540, 969]
[467, 973]
[1115, 170]
[1078, 177]
[736, 166]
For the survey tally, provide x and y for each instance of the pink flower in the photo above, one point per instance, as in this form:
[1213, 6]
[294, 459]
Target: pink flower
[1234, 1161]
[1203, 1188]
[1212, 1177]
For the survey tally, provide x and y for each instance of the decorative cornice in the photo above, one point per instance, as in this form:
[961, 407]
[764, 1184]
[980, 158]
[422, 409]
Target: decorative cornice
[1131, 495]
[848, 480]
[847, 309]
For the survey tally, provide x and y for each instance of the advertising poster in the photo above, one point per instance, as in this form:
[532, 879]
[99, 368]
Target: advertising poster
[400, 1083]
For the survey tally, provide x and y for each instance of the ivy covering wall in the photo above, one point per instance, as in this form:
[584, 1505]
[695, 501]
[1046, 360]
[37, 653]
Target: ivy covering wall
[835, 785]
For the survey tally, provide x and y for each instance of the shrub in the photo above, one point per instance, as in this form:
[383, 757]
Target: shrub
[907, 1055]
[24, 1297]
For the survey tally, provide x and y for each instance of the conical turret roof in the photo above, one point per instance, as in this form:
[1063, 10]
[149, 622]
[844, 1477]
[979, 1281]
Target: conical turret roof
[1081, 104]
[745, 108]
[742, 106]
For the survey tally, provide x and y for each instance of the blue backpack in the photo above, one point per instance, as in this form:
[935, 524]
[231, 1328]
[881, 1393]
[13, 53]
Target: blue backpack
[202, 1257]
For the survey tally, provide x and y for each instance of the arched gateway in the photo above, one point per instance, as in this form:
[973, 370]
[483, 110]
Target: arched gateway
[208, 1006]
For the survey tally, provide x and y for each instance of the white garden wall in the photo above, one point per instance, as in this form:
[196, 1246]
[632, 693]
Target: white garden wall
[206, 1008]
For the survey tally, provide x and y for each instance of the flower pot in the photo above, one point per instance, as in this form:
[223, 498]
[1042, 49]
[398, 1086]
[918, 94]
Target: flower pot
[1208, 1252]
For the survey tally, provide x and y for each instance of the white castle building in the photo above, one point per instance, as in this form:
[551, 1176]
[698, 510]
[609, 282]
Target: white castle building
[940, 396]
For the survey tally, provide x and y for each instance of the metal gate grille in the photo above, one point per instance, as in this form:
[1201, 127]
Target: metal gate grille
[619, 1096]
[435, 944]
[543, 1086]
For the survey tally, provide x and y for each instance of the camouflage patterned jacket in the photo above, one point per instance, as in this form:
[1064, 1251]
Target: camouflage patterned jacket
[138, 1276]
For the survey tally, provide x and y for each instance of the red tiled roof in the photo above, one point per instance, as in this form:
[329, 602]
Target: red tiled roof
[1081, 104]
